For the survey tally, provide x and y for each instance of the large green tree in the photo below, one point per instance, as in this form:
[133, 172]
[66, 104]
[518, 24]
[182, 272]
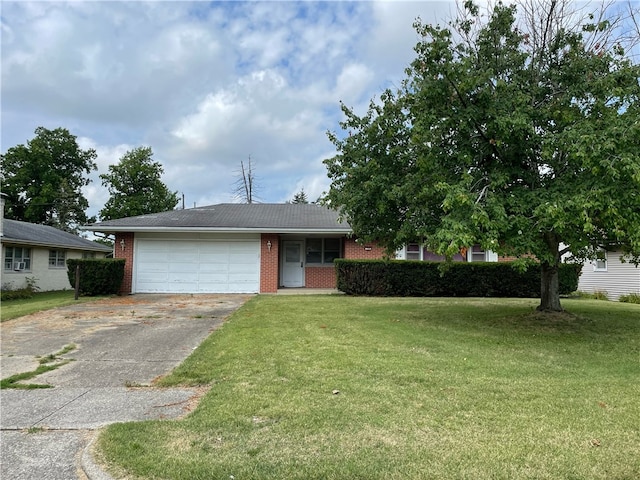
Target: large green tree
[43, 179]
[135, 186]
[523, 137]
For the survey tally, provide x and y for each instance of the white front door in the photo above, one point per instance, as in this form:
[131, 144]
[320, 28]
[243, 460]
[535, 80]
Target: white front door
[292, 264]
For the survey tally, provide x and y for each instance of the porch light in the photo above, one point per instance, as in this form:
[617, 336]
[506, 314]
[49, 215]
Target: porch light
[122, 244]
[268, 245]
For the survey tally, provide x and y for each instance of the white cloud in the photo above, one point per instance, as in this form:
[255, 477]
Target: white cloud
[205, 84]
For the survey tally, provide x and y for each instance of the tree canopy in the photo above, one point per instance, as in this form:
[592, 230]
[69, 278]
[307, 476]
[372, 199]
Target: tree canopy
[135, 186]
[522, 138]
[43, 179]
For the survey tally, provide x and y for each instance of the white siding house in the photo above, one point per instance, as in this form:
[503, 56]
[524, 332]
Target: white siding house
[608, 274]
[39, 253]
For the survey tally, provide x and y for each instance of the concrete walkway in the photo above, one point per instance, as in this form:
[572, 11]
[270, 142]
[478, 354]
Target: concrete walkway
[121, 346]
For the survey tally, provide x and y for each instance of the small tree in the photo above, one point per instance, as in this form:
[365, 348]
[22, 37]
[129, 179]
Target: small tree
[43, 180]
[524, 139]
[300, 197]
[135, 186]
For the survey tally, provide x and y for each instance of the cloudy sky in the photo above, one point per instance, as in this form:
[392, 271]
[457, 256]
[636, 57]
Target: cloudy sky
[205, 84]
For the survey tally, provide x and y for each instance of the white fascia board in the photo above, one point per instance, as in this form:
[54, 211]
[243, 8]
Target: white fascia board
[311, 231]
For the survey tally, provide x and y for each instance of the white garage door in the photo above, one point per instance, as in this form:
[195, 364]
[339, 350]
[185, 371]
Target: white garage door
[207, 266]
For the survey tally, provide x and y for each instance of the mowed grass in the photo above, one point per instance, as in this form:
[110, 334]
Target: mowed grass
[335, 387]
[11, 309]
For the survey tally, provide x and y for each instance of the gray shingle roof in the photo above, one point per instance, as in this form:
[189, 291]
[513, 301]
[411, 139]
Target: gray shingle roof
[24, 233]
[257, 217]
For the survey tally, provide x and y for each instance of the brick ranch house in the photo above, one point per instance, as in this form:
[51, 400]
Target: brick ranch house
[235, 248]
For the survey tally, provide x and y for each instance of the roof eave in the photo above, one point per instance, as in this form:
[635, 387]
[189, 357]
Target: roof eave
[120, 229]
[33, 243]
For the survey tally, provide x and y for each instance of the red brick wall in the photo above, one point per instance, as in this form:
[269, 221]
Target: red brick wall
[320, 277]
[269, 265]
[125, 251]
[511, 259]
[353, 250]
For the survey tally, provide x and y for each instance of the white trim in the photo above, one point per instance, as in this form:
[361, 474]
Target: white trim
[300, 231]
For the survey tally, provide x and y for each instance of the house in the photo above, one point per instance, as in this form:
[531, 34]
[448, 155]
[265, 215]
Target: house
[608, 274]
[40, 253]
[417, 251]
[236, 248]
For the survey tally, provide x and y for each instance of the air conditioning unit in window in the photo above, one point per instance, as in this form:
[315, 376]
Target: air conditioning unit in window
[17, 266]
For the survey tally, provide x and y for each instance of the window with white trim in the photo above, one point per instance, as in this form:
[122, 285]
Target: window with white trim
[322, 251]
[57, 258]
[17, 259]
[600, 263]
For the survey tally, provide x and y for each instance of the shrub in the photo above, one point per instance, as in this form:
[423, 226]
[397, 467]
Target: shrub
[97, 276]
[10, 293]
[423, 279]
[630, 298]
[596, 295]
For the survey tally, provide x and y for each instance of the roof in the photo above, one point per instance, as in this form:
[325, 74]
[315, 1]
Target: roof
[24, 233]
[234, 217]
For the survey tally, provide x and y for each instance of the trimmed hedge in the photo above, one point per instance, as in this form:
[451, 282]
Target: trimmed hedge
[402, 278]
[97, 276]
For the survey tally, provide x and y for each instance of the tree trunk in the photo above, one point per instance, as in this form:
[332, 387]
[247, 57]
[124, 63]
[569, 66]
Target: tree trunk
[549, 282]
[549, 289]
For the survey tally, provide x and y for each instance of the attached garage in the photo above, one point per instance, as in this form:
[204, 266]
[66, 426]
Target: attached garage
[209, 264]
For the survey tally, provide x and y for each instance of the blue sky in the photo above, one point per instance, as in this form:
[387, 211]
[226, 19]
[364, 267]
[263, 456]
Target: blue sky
[205, 84]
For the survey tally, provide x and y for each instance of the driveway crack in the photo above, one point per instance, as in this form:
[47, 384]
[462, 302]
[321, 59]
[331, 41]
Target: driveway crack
[61, 407]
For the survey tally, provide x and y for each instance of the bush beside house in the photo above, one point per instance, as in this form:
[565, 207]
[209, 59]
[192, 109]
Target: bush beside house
[97, 277]
[426, 279]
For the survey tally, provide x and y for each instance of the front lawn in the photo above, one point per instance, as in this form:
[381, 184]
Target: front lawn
[40, 301]
[335, 387]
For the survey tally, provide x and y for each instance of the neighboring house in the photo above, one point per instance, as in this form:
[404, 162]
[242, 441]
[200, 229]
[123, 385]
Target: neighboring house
[240, 248]
[40, 252]
[609, 275]
[416, 251]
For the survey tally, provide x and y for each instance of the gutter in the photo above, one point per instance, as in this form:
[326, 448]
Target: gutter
[107, 229]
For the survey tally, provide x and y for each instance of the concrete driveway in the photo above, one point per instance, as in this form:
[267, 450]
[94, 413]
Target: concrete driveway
[121, 346]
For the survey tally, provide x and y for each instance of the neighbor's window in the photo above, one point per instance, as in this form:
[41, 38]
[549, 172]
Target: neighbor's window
[57, 258]
[477, 254]
[88, 255]
[322, 250]
[17, 259]
[600, 264]
[413, 251]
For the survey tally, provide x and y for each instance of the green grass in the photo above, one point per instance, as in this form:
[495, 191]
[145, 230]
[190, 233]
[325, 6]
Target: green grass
[428, 388]
[40, 301]
[46, 364]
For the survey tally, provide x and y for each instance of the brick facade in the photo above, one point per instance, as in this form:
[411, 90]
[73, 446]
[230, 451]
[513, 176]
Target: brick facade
[367, 251]
[269, 263]
[125, 250]
[320, 277]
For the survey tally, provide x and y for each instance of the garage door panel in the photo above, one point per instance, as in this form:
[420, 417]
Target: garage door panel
[197, 266]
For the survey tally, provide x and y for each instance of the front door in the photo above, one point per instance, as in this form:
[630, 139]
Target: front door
[292, 264]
